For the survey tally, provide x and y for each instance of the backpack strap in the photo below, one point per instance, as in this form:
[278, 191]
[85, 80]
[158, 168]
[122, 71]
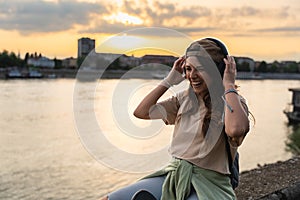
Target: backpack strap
[228, 151]
[233, 164]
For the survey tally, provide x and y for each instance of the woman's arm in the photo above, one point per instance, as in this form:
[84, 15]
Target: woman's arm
[236, 119]
[174, 77]
[142, 110]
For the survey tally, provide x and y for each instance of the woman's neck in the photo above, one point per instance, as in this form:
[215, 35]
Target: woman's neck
[201, 95]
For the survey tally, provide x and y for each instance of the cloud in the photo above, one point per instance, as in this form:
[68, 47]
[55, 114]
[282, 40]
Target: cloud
[104, 26]
[35, 16]
[156, 14]
[44, 16]
[280, 29]
[195, 11]
[238, 21]
[271, 13]
[131, 8]
[245, 11]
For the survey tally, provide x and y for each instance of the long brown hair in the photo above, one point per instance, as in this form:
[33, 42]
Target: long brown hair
[217, 110]
[207, 117]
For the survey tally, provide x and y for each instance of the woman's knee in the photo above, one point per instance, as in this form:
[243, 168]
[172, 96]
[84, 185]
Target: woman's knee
[153, 185]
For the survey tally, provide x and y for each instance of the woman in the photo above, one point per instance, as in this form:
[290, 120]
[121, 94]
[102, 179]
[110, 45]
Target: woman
[206, 115]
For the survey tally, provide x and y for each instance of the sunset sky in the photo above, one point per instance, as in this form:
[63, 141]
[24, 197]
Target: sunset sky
[264, 30]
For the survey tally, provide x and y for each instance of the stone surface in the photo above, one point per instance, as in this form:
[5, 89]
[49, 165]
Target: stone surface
[279, 180]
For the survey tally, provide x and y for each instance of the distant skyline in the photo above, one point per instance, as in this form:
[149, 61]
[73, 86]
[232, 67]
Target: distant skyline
[263, 30]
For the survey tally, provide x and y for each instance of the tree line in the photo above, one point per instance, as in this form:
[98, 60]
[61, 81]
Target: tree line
[275, 67]
[10, 59]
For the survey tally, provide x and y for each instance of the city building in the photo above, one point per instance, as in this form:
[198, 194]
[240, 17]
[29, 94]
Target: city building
[69, 63]
[246, 60]
[158, 59]
[129, 61]
[41, 61]
[123, 60]
[109, 57]
[85, 46]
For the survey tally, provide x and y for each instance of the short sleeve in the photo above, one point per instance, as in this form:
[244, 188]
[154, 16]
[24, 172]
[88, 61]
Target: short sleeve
[167, 109]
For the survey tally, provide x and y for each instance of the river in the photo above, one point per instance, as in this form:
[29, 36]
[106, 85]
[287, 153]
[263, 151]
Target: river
[42, 150]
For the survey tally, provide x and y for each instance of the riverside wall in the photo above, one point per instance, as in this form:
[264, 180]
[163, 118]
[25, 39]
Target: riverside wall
[148, 74]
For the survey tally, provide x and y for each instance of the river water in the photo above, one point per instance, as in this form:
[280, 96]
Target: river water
[43, 156]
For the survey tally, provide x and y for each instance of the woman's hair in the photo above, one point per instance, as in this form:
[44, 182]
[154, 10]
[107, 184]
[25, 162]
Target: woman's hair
[207, 117]
[217, 51]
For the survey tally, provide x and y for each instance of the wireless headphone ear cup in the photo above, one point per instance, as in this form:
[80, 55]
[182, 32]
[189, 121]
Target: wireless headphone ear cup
[221, 45]
[221, 68]
[221, 65]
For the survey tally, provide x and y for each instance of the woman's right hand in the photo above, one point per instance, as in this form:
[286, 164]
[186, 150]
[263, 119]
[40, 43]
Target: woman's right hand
[175, 75]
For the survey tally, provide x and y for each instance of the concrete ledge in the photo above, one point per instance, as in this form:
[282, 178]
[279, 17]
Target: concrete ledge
[290, 193]
[280, 180]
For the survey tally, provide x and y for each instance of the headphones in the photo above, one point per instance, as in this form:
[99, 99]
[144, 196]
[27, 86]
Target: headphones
[221, 65]
[219, 44]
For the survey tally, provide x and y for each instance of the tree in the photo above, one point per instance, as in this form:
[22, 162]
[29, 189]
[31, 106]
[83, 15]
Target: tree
[57, 63]
[273, 68]
[291, 68]
[26, 57]
[262, 67]
[243, 67]
[9, 59]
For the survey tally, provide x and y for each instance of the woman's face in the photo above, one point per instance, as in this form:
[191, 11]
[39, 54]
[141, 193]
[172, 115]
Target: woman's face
[196, 75]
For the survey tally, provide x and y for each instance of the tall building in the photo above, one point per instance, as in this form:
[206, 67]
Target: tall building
[85, 46]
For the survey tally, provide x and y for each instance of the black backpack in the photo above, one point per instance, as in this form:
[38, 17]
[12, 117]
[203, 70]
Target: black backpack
[233, 165]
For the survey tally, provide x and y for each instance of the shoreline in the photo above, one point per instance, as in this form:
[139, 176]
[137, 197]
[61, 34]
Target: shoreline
[147, 74]
[280, 180]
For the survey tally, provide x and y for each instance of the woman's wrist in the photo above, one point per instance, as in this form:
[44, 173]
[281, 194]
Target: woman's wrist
[174, 77]
[230, 90]
[228, 86]
[165, 83]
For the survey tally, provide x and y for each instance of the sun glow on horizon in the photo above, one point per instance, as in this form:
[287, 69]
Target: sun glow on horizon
[121, 43]
[140, 45]
[124, 18]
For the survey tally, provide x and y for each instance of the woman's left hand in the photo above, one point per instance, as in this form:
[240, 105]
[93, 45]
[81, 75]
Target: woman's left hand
[230, 71]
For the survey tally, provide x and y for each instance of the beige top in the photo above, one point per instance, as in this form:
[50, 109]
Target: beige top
[188, 138]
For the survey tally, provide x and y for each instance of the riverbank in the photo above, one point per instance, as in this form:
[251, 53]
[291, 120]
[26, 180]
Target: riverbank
[147, 74]
[280, 180]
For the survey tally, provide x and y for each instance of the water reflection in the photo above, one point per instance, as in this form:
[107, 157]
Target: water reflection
[293, 139]
[43, 158]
